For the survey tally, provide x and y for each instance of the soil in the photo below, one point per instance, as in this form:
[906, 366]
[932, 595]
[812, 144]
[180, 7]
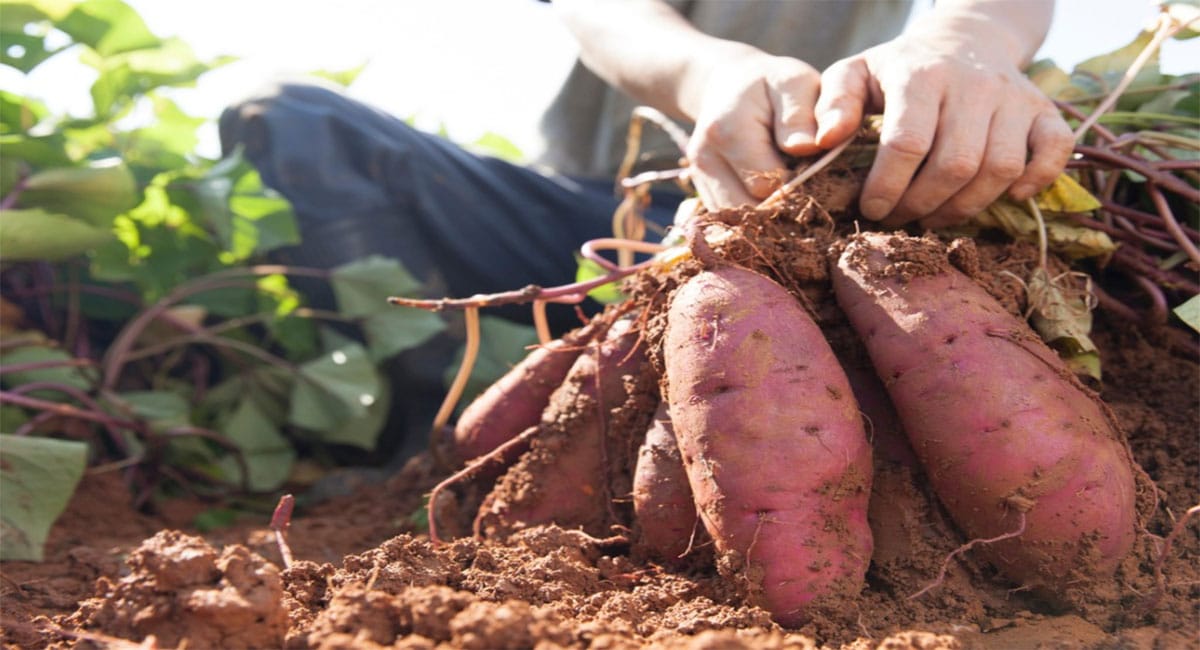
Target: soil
[366, 575]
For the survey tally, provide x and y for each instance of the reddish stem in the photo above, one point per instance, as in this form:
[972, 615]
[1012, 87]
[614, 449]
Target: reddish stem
[1164, 209]
[41, 365]
[1139, 262]
[567, 293]
[113, 427]
[1158, 302]
[1146, 238]
[1144, 217]
[66, 410]
[1164, 180]
[281, 519]
[494, 456]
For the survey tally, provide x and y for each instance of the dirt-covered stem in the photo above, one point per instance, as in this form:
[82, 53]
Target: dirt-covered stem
[567, 293]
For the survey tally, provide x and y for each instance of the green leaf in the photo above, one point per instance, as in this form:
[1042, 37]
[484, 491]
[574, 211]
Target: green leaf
[23, 51]
[166, 142]
[363, 432]
[12, 417]
[1164, 102]
[107, 26]
[1186, 12]
[18, 14]
[19, 114]
[1109, 68]
[342, 78]
[127, 76]
[268, 454]
[362, 287]
[1189, 312]
[1052, 80]
[66, 375]
[95, 194]
[215, 519]
[161, 409]
[503, 343]
[27, 235]
[497, 146]
[39, 151]
[589, 270]
[337, 385]
[399, 329]
[37, 478]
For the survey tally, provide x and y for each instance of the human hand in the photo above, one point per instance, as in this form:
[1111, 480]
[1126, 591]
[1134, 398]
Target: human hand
[961, 125]
[754, 107]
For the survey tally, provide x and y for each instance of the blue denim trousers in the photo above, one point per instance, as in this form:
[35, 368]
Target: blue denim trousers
[363, 182]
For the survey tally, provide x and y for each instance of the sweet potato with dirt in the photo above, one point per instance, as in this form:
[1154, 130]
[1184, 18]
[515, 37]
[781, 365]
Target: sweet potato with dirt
[1013, 445]
[662, 499]
[564, 476]
[772, 441]
[515, 401]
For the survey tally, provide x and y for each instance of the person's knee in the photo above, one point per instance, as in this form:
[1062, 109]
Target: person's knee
[245, 123]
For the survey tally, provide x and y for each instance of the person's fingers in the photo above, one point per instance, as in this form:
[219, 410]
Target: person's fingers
[910, 119]
[1003, 163]
[845, 91]
[744, 150]
[716, 182]
[792, 98]
[956, 157]
[1051, 144]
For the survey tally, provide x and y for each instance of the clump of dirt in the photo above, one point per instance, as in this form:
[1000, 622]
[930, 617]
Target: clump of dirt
[366, 575]
[180, 589]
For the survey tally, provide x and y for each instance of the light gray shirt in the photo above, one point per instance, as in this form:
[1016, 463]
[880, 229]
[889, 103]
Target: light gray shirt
[584, 127]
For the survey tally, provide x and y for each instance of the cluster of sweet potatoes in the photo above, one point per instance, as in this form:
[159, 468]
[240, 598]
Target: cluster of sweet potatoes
[709, 413]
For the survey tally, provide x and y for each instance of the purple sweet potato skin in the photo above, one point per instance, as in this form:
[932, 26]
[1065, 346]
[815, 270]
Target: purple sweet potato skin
[515, 401]
[772, 441]
[662, 499]
[999, 424]
[563, 476]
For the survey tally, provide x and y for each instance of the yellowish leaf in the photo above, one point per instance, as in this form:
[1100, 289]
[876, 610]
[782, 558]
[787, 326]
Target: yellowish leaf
[1065, 194]
[1062, 316]
[1064, 237]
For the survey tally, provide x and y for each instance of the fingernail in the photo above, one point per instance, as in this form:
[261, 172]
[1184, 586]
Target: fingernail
[828, 120]
[876, 209]
[799, 139]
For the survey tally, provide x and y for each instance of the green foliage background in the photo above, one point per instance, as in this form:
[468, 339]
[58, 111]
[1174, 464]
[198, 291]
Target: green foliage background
[138, 290]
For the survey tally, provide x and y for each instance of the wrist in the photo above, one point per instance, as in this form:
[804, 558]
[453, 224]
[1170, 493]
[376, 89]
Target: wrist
[998, 31]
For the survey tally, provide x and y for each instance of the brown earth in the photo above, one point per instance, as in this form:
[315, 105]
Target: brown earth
[365, 576]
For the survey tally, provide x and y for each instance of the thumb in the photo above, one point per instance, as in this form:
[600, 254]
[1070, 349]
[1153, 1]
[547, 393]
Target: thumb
[844, 94]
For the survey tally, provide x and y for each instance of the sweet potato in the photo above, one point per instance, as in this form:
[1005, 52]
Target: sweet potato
[515, 401]
[1010, 440]
[772, 441]
[563, 477]
[662, 498]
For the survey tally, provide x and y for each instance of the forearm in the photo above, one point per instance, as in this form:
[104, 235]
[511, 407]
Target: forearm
[646, 49]
[1014, 29]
